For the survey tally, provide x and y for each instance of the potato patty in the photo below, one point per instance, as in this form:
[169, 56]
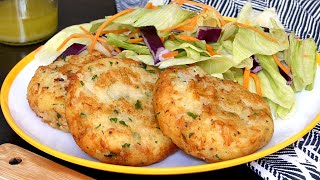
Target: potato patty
[47, 89]
[210, 118]
[110, 113]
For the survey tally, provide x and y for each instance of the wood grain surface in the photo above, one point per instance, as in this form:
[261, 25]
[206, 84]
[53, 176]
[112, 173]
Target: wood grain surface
[19, 163]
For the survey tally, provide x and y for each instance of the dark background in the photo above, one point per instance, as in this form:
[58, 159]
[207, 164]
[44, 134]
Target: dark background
[75, 12]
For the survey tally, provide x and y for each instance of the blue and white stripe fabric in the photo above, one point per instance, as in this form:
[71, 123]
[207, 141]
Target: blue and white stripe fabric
[300, 160]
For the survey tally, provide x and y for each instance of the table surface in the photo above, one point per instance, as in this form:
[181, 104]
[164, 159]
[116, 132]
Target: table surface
[75, 13]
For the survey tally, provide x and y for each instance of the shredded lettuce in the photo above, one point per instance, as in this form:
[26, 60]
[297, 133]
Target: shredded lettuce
[162, 17]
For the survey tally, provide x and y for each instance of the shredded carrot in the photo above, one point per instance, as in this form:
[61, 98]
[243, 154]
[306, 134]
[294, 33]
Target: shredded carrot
[117, 49]
[136, 40]
[104, 24]
[172, 37]
[205, 6]
[281, 66]
[108, 49]
[187, 38]
[77, 35]
[258, 31]
[210, 50]
[195, 18]
[84, 30]
[170, 54]
[257, 83]
[185, 28]
[116, 31]
[149, 5]
[133, 33]
[246, 78]
[162, 39]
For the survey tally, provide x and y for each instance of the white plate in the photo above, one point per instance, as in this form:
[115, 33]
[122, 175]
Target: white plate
[60, 144]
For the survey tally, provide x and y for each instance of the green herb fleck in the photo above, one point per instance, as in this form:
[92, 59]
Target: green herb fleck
[126, 145]
[111, 154]
[217, 156]
[191, 134]
[156, 115]
[130, 119]
[82, 83]
[138, 105]
[116, 111]
[58, 124]
[151, 71]
[194, 116]
[114, 120]
[98, 126]
[156, 142]
[111, 63]
[143, 66]
[83, 115]
[123, 123]
[94, 77]
[58, 116]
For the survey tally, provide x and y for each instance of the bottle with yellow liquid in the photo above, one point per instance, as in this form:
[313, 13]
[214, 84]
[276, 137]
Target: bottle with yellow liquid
[25, 22]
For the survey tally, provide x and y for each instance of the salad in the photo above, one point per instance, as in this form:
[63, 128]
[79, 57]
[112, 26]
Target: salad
[253, 49]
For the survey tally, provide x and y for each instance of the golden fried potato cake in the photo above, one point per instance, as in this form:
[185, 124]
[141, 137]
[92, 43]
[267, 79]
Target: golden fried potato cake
[210, 118]
[110, 113]
[47, 89]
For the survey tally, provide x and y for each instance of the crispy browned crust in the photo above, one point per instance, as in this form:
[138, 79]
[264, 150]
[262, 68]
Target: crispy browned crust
[210, 118]
[110, 114]
[47, 89]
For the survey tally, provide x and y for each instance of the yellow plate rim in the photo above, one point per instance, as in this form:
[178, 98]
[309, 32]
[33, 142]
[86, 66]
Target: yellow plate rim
[4, 94]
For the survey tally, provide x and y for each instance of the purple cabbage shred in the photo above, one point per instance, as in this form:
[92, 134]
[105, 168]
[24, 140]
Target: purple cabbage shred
[74, 49]
[256, 65]
[152, 40]
[208, 33]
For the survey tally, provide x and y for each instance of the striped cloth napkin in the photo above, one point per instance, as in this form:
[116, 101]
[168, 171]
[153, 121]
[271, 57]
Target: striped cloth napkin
[300, 160]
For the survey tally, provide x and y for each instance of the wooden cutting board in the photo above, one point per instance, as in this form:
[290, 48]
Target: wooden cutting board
[19, 163]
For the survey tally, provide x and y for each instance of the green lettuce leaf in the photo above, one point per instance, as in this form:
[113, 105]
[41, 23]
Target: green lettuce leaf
[123, 42]
[163, 17]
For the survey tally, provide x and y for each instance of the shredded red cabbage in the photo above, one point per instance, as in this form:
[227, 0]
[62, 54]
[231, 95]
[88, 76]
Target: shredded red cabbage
[208, 33]
[74, 49]
[256, 65]
[289, 76]
[153, 42]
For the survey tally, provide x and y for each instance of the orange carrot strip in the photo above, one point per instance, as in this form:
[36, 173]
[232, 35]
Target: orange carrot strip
[185, 28]
[84, 30]
[104, 24]
[170, 54]
[187, 38]
[258, 31]
[117, 49]
[77, 35]
[210, 50]
[136, 31]
[195, 18]
[116, 31]
[246, 78]
[281, 66]
[257, 82]
[205, 6]
[172, 37]
[162, 39]
[149, 5]
[136, 40]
